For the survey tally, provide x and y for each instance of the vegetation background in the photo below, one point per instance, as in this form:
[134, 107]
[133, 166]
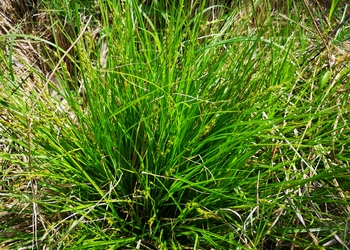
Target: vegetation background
[174, 124]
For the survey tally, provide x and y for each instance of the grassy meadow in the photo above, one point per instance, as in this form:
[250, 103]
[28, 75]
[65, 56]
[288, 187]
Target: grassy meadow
[174, 125]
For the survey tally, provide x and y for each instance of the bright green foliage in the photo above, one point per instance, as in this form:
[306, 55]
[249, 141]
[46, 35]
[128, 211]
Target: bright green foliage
[195, 128]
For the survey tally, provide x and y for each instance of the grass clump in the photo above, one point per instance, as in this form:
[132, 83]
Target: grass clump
[192, 128]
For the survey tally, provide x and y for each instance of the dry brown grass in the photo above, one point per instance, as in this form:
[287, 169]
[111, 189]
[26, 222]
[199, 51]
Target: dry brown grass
[29, 20]
[19, 25]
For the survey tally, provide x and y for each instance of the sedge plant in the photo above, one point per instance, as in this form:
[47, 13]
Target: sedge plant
[182, 128]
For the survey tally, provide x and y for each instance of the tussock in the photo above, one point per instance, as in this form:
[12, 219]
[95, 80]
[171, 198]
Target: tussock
[193, 132]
